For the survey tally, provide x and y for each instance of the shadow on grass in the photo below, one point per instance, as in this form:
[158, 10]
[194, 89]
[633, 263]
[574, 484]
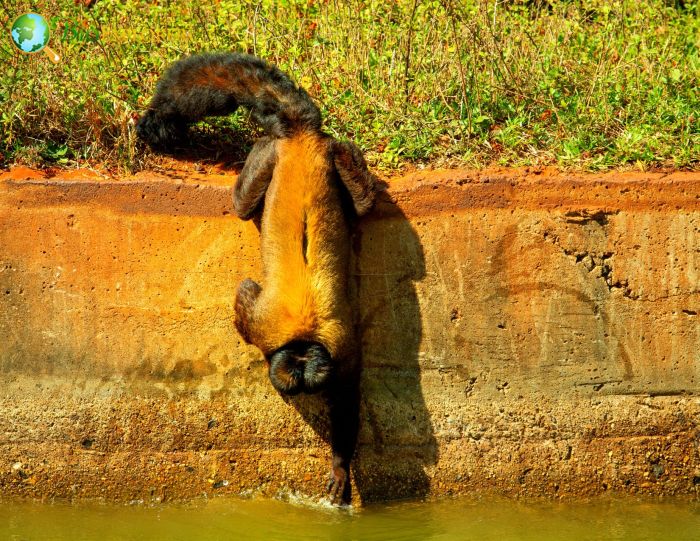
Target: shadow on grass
[227, 149]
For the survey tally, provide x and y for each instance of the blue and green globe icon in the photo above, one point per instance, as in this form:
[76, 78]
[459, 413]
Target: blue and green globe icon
[30, 34]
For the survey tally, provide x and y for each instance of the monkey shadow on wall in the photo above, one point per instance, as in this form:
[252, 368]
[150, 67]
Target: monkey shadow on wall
[396, 440]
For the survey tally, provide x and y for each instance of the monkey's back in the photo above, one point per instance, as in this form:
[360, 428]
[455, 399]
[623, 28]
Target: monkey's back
[305, 250]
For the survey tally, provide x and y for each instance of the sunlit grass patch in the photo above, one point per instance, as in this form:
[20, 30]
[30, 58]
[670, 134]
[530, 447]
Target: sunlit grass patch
[586, 85]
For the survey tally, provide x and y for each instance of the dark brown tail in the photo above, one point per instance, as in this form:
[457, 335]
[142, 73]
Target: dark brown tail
[216, 84]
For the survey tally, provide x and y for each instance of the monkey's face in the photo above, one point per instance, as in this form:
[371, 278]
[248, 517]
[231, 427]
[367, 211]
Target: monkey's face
[300, 367]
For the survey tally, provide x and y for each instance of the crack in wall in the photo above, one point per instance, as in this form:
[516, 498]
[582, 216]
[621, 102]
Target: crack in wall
[601, 265]
[584, 216]
[598, 263]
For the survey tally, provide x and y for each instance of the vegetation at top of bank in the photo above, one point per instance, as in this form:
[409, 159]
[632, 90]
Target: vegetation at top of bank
[584, 84]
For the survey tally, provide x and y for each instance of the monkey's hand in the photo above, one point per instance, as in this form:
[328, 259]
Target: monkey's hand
[339, 483]
[343, 399]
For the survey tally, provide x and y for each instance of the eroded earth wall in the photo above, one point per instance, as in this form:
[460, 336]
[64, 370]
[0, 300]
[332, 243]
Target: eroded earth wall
[523, 332]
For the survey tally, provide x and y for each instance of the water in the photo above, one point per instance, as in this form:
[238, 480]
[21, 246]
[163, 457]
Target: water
[451, 520]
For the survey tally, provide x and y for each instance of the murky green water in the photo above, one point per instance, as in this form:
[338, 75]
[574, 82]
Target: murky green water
[228, 519]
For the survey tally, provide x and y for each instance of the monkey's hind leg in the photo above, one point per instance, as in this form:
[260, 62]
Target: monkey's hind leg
[352, 170]
[249, 193]
[248, 293]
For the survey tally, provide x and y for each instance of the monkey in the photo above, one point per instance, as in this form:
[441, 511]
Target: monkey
[307, 190]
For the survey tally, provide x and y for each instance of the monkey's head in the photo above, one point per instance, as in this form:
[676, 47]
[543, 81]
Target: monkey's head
[300, 367]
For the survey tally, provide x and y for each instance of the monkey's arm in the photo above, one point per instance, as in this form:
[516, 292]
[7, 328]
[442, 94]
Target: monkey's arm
[344, 405]
[254, 178]
[353, 172]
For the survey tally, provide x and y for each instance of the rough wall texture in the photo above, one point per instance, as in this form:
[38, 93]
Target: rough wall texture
[523, 333]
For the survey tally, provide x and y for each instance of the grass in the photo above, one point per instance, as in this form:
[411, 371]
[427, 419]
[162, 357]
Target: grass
[580, 84]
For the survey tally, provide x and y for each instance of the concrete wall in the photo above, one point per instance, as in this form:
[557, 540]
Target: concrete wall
[523, 333]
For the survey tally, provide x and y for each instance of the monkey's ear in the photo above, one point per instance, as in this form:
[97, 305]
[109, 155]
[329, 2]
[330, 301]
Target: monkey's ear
[353, 172]
[255, 178]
